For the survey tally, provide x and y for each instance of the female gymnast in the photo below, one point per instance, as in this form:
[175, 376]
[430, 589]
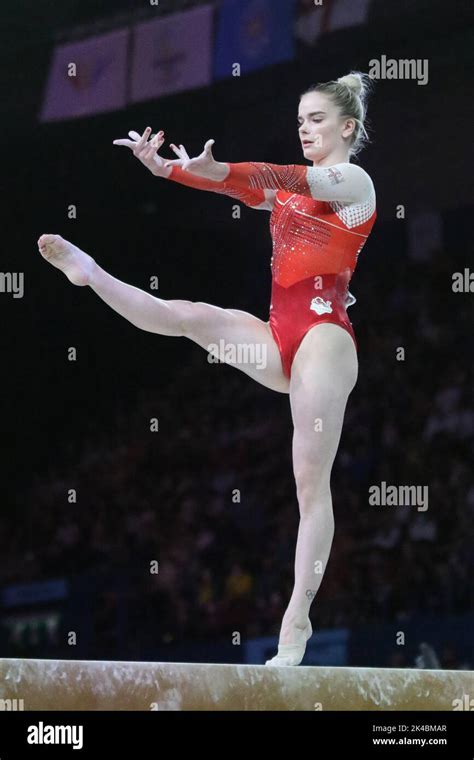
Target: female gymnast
[321, 217]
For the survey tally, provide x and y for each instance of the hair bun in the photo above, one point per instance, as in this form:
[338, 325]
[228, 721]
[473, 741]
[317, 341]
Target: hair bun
[352, 81]
[357, 81]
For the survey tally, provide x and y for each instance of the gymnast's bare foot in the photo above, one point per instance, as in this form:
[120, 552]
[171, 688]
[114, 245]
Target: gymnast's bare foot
[76, 265]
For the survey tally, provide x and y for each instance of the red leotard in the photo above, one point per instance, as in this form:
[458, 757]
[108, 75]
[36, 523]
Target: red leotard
[315, 242]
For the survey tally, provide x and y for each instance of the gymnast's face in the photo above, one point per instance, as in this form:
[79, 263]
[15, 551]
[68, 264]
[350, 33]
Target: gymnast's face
[321, 128]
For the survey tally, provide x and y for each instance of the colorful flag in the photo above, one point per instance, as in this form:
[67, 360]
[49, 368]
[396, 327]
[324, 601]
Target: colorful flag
[172, 53]
[253, 34]
[86, 77]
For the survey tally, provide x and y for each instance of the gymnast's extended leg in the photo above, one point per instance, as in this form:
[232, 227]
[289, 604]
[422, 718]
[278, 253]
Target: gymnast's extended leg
[202, 323]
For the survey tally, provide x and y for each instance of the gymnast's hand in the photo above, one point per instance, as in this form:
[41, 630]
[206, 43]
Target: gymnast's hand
[203, 165]
[147, 150]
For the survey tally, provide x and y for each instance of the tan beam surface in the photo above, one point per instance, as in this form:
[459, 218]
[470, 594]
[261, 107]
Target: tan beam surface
[97, 685]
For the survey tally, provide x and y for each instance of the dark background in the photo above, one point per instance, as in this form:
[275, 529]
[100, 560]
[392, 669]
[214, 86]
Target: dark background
[167, 495]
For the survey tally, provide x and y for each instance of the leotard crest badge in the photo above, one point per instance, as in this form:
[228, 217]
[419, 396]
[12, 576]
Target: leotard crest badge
[320, 306]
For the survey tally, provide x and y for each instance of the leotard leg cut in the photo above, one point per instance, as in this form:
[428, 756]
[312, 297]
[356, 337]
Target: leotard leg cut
[298, 308]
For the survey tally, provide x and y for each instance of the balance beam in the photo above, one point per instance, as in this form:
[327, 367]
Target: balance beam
[107, 685]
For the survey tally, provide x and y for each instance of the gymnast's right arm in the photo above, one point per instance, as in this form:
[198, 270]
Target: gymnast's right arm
[147, 152]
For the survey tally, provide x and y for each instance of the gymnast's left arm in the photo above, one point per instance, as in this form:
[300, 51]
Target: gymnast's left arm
[343, 182]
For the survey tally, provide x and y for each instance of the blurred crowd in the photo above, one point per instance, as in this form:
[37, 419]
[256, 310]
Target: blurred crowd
[210, 497]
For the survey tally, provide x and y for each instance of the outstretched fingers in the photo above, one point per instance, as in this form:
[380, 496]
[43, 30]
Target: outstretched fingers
[183, 160]
[143, 139]
[155, 144]
[138, 141]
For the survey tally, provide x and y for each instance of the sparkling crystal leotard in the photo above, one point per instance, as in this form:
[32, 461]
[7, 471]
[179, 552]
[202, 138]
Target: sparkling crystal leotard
[321, 218]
